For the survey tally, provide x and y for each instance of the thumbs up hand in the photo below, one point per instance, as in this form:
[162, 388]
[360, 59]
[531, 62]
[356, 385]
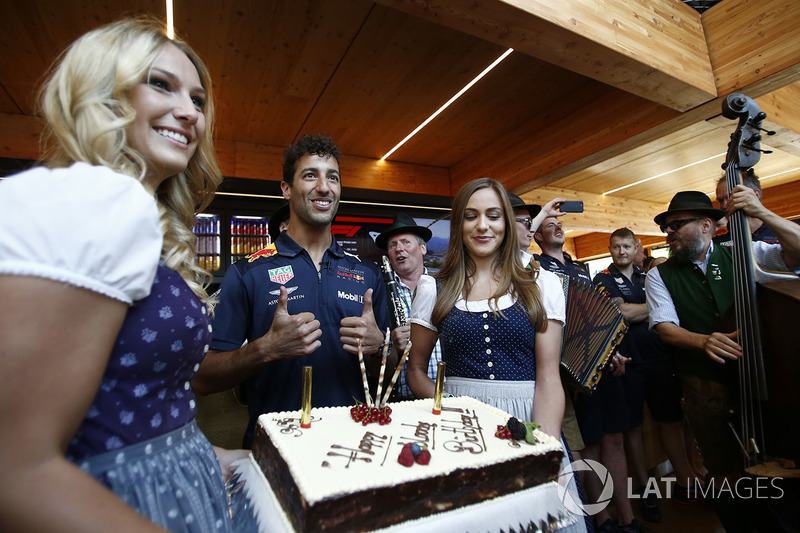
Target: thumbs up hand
[290, 335]
[361, 327]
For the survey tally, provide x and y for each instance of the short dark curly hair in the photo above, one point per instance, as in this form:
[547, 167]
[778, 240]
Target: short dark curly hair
[308, 144]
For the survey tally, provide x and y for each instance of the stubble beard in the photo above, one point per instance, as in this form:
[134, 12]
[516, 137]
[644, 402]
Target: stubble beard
[319, 220]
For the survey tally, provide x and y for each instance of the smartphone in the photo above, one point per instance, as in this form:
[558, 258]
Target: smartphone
[571, 206]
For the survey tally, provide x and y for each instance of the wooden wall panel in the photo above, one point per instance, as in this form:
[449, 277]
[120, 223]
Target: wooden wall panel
[595, 245]
[783, 200]
[783, 116]
[19, 136]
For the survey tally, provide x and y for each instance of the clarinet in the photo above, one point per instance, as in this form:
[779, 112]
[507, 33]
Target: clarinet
[394, 299]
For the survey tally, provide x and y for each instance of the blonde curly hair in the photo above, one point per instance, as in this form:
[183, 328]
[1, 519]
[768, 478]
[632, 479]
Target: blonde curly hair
[85, 103]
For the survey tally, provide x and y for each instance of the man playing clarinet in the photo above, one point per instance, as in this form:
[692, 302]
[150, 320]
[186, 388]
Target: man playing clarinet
[405, 246]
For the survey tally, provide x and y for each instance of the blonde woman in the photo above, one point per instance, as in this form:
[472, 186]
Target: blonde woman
[104, 319]
[499, 323]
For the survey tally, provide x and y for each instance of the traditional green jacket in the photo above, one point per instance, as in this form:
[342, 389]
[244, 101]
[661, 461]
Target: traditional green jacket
[701, 300]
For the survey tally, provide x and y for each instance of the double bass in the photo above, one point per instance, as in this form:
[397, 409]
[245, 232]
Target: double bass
[767, 314]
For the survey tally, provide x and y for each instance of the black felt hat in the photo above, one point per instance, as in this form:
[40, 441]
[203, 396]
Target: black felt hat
[694, 201]
[280, 214]
[403, 223]
[517, 202]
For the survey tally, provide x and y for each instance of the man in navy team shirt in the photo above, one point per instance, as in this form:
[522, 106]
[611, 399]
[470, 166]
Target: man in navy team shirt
[303, 301]
[650, 375]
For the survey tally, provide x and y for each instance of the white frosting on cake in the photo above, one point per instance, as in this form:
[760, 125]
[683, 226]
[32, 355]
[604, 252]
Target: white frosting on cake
[337, 455]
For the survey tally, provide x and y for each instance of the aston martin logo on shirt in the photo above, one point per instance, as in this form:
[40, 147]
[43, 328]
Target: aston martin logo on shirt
[289, 290]
[281, 274]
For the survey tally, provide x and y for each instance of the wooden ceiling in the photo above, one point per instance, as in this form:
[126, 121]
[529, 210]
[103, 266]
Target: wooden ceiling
[597, 95]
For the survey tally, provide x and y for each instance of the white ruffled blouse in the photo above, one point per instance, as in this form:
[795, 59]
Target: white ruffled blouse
[87, 226]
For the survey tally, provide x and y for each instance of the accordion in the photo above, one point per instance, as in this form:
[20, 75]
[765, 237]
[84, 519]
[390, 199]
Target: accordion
[594, 327]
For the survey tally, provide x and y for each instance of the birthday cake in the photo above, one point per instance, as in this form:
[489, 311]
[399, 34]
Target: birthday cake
[342, 475]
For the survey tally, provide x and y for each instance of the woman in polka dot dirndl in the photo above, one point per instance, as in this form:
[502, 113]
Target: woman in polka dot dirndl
[104, 319]
[499, 323]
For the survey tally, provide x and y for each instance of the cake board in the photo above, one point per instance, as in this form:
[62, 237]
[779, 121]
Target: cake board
[255, 509]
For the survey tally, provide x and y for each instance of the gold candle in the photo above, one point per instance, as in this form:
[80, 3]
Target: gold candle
[305, 415]
[437, 396]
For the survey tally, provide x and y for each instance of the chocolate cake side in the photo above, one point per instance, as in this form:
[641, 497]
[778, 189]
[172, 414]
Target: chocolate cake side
[382, 507]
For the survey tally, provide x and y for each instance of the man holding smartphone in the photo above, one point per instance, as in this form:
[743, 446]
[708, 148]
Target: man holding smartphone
[551, 238]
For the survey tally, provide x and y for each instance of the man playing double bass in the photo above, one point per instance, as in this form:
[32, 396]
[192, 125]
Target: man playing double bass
[687, 298]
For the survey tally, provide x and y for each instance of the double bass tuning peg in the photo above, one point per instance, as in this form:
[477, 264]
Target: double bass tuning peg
[755, 123]
[749, 146]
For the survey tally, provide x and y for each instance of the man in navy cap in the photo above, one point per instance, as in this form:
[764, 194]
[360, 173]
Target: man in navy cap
[405, 245]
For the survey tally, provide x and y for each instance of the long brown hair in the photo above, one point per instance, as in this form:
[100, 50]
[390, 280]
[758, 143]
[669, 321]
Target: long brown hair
[459, 267]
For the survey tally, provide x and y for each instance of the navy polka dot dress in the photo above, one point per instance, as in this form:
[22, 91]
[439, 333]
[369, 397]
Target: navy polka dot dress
[486, 345]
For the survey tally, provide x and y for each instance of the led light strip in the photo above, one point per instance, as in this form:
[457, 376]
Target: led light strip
[447, 104]
[170, 21]
[664, 173]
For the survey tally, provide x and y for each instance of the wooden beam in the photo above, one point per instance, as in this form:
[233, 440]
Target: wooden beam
[254, 161]
[602, 213]
[653, 49]
[19, 138]
[750, 42]
[587, 128]
[783, 117]
[584, 133]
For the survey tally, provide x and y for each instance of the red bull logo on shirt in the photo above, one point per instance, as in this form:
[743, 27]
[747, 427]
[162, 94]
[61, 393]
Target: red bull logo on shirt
[346, 273]
[264, 252]
[281, 274]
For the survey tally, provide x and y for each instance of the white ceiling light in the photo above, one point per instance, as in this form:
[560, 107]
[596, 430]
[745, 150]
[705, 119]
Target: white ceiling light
[170, 21]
